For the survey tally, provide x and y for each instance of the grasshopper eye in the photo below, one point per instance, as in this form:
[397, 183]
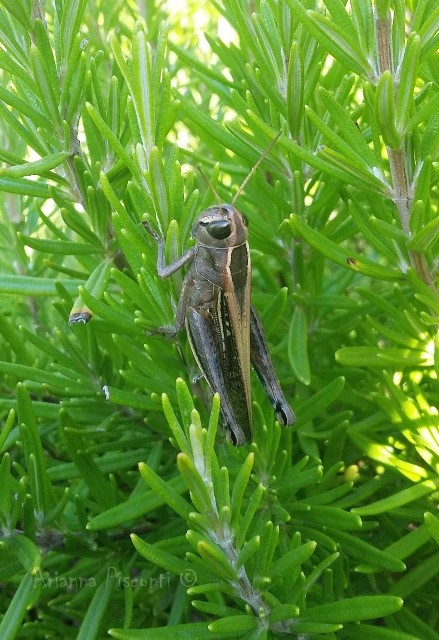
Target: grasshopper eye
[218, 229]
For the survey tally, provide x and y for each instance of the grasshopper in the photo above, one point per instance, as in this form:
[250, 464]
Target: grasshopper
[224, 331]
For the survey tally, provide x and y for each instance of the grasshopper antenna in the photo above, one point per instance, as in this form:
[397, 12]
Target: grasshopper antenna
[210, 185]
[254, 168]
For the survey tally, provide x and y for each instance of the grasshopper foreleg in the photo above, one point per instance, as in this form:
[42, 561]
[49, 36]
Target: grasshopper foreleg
[180, 314]
[164, 271]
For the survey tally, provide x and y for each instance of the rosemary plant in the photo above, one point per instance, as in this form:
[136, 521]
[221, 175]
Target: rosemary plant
[123, 508]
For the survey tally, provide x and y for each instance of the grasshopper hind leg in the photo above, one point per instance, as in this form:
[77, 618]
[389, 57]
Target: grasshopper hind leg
[261, 361]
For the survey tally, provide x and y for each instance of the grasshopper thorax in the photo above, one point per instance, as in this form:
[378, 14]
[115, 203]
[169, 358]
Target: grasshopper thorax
[220, 226]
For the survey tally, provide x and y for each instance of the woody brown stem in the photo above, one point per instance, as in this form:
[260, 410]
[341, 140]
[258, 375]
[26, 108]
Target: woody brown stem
[402, 191]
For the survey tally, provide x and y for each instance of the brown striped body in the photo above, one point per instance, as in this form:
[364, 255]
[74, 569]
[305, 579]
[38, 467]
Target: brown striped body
[223, 329]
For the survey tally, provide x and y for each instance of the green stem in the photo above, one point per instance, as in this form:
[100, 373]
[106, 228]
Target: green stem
[401, 193]
[223, 537]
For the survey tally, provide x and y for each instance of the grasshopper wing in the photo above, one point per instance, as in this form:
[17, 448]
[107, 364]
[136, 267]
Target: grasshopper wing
[217, 353]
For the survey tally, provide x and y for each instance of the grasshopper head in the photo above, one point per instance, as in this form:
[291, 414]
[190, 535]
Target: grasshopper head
[220, 226]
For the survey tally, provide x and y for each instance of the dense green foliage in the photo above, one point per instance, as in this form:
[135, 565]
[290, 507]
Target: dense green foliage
[318, 531]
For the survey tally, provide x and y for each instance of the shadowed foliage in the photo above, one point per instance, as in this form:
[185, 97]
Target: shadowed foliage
[123, 508]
